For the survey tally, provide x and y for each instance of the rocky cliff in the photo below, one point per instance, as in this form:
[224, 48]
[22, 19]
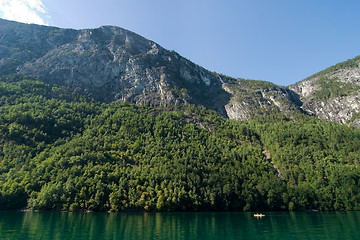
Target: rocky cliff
[250, 98]
[113, 64]
[109, 64]
[333, 93]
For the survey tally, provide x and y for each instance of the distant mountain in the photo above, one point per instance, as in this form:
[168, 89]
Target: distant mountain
[109, 64]
[333, 93]
[113, 64]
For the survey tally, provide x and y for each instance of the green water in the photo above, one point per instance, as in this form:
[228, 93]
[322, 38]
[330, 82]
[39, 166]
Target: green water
[205, 225]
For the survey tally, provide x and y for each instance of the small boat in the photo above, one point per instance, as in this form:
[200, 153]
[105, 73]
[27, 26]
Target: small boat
[259, 215]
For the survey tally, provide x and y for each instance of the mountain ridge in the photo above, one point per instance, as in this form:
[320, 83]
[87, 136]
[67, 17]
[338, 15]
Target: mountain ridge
[333, 94]
[113, 64]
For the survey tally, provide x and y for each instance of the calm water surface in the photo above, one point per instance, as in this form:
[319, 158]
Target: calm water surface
[205, 225]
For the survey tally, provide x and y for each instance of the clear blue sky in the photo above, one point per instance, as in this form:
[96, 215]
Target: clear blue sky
[282, 41]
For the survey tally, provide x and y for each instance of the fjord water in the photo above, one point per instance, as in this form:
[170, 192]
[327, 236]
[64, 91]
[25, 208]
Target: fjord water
[203, 225]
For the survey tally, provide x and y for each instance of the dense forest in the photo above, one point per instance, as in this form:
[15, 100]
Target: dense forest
[63, 151]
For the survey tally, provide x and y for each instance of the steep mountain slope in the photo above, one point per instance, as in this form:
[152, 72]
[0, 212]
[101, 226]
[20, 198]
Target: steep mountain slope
[113, 64]
[251, 98]
[333, 93]
[109, 64]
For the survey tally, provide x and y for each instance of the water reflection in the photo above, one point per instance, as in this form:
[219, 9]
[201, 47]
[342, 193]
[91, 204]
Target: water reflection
[204, 225]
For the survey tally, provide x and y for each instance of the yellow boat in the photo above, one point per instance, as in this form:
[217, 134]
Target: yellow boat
[259, 215]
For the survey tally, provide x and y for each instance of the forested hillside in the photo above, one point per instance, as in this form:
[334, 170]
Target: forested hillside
[62, 151]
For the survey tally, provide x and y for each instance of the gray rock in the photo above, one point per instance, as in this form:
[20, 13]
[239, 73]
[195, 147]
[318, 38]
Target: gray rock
[342, 82]
[113, 64]
[109, 64]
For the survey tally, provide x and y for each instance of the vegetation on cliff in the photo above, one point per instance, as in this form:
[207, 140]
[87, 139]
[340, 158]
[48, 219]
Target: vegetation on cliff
[350, 63]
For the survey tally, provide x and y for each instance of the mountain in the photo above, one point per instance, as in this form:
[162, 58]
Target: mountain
[333, 94]
[106, 120]
[113, 64]
[109, 64]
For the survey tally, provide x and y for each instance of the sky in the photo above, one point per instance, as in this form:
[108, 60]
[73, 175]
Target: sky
[281, 41]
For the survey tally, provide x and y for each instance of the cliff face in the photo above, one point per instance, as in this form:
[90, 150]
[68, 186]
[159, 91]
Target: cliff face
[21, 43]
[109, 64]
[113, 64]
[250, 98]
[333, 94]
